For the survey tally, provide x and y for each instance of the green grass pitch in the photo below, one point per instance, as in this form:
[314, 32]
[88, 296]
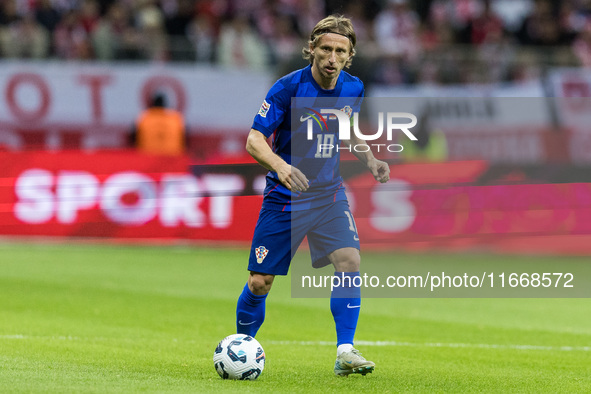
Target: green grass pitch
[97, 318]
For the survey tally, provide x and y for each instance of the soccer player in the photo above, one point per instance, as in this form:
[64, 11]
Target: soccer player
[304, 194]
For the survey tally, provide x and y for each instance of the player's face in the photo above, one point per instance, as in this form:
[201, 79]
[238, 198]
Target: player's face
[330, 56]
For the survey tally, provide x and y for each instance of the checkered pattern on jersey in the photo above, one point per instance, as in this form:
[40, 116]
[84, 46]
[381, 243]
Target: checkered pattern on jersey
[282, 119]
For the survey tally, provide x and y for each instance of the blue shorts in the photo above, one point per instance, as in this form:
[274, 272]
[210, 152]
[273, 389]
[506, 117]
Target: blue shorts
[278, 235]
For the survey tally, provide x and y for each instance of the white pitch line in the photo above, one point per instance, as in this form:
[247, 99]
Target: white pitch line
[20, 336]
[360, 343]
[440, 344]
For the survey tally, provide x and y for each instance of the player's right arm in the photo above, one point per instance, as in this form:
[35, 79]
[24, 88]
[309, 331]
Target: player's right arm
[289, 176]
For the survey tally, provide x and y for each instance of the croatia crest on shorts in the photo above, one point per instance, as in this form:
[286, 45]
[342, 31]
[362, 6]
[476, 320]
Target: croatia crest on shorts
[261, 252]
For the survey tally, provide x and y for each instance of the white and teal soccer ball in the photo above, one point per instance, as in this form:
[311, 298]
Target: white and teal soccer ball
[239, 357]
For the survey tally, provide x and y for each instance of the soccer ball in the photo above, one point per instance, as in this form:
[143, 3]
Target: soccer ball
[239, 357]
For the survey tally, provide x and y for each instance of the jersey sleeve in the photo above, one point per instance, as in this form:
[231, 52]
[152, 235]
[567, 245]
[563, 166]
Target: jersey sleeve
[273, 111]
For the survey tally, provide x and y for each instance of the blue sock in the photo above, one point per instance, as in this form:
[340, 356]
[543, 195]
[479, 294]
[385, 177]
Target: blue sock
[345, 302]
[250, 312]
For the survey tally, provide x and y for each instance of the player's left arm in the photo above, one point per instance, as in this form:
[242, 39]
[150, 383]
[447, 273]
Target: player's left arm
[378, 168]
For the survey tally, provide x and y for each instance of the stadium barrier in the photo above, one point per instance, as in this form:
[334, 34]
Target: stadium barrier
[57, 105]
[92, 106]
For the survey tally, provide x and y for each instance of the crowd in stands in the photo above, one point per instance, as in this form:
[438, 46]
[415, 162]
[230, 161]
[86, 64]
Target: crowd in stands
[399, 41]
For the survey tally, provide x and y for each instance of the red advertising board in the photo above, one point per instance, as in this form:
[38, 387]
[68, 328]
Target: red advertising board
[471, 205]
[455, 205]
[120, 195]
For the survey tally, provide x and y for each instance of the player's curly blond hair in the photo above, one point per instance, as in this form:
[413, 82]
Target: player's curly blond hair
[337, 24]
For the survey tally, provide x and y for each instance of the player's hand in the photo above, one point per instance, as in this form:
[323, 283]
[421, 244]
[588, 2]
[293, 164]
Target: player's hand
[380, 170]
[293, 179]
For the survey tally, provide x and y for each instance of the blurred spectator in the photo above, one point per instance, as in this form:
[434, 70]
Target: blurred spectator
[458, 12]
[214, 10]
[582, 46]
[571, 20]
[241, 7]
[64, 6]
[428, 41]
[201, 34]
[239, 45]
[437, 31]
[512, 12]
[265, 17]
[541, 27]
[70, 39]
[440, 63]
[284, 41]
[25, 38]
[8, 13]
[177, 27]
[153, 41]
[484, 27]
[47, 15]
[357, 12]
[170, 7]
[89, 15]
[396, 30]
[114, 37]
[583, 6]
[308, 13]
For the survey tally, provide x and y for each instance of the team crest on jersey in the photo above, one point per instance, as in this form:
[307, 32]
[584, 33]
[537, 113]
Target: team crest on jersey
[264, 109]
[261, 252]
[348, 110]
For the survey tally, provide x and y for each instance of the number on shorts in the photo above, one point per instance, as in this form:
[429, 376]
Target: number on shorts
[352, 225]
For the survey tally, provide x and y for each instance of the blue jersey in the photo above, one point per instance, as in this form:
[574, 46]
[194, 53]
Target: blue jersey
[286, 112]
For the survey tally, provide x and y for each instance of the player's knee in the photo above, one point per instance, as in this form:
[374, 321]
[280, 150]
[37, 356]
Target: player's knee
[260, 284]
[346, 260]
[348, 265]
